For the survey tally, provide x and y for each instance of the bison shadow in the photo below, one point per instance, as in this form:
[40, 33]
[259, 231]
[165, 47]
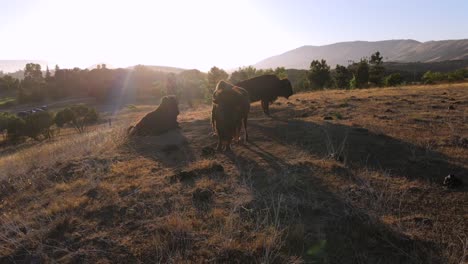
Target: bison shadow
[360, 148]
[171, 148]
[331, 228]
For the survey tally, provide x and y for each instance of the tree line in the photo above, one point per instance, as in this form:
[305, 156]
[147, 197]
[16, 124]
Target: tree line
[370, 72]
[42, 125]
[145, 84]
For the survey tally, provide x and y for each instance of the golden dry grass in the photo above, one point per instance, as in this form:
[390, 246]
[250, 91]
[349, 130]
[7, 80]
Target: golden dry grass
[363, 187]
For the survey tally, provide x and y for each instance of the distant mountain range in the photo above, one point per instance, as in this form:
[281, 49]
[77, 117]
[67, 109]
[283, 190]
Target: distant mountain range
[403, 50]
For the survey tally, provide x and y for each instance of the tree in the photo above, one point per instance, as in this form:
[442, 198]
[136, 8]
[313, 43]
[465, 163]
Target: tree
[360, 72]
[342, 76]
[376, 69]
[79, 117]
[33, 71]
[432, 77]
[245, 73]
[281, 72]
[13, 124]
[8, 83]
[38, 124]
[47, 74]
[214, 76]
[319, 74]
[393, 79]
[32, 85]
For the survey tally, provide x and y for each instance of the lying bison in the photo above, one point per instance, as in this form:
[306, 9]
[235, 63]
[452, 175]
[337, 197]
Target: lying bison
[161, 120]
[231, 106]
[266, 88]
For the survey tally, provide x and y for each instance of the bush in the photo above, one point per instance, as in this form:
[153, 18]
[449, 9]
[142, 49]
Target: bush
[13, 124]
[432, 77]
[38, 124]
[79, 117]
[458, 75]
[353, 83]
[64, 116]
[393, 79]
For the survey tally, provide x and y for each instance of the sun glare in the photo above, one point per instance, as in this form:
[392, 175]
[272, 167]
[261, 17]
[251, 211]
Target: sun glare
[187, 34]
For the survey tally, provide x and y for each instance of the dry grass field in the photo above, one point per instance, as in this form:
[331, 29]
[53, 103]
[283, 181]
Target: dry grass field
[333, 177]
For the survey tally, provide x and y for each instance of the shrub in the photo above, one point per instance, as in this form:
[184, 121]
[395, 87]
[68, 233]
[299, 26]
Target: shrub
[458, 75]
[432, 77]
[79, 117]
[38, 124]
[64, 116]
[393, 79]
[13, 124]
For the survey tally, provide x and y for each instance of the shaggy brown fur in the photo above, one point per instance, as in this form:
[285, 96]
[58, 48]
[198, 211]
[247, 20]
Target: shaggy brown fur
[266, 88]
[231, 106]
[161, 120]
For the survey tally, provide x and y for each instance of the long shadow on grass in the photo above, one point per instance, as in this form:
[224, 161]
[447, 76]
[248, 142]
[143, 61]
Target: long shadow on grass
[171, 149]
[360, 148]
[321, 226]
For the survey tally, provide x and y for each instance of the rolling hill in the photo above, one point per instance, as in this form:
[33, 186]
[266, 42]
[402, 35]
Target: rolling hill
[403, 50]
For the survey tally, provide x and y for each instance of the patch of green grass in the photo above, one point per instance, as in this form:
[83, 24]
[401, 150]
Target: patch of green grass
[7, 101]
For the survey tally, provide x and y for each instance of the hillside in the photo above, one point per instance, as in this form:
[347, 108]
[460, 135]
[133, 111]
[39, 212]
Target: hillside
[362, 186]
[392, 50]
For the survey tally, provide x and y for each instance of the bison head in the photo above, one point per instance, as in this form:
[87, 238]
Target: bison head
[170, 105]
[286, 88]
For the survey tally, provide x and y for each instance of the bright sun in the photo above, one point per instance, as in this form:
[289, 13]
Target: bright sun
[188, 34]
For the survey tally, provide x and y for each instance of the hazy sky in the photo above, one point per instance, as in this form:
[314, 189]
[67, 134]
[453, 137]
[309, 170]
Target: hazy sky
[203, 33]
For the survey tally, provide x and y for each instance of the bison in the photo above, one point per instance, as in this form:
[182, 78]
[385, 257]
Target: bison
[266, 88]
[161, 120]
[231, 106]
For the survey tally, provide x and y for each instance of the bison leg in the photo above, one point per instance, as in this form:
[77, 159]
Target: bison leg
[228, 145]
[265, 107]
[245, 129]
[213, 124]
[219, 147]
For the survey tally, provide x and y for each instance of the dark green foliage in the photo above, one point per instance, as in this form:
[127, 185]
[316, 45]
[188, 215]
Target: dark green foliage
[393, 79]
[353, 82]
[376, 70]
[432, 77]
[360, 71]
[191, 85]
[245, 73]
[342, 77]
[13, 124]
[319, 74]
[456, 76]
[298, 79]
[215, 75]
[32, 88]
[38, 124]
[79, 117]
[64, 116]
[8, 83]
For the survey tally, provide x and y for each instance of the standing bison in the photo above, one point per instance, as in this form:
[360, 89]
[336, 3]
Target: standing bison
[231, 106]
[161, 120]
[266, 88]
